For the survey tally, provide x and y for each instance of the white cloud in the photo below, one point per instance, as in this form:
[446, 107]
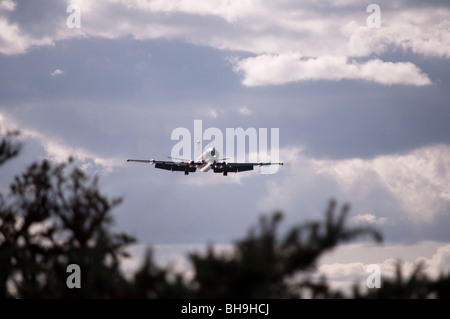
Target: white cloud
[440, 262]
[14, 41]
[7, 5]
[318, 40]
[212, 113]
[415, 184]
[245, 111]
[263, 27]
[370, 219]
[228, 10]
[298, 184]
[57, 72]
[281, 69]
[424, 32]
[339, 271]
[345, 274]
[418, 180]
[58, 151]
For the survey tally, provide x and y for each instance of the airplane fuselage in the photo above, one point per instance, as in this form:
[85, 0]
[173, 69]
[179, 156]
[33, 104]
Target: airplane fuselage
[209, 158]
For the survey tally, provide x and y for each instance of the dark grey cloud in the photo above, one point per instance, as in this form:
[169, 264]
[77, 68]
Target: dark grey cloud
[39, 18]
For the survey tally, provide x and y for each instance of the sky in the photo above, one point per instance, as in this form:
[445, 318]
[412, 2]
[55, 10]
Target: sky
[362, 112]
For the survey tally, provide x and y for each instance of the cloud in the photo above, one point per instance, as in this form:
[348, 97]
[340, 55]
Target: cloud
[212, 113]
[317, 40]
[423, 32]
[245, 111]
[230, 11]
[58, 151]
[370, 219]
[438, 263]
[298, 188]
[345, 274]
[280, 69]
[418, 180]
[412, 186]
[343, 271]
[12, 41]
[7, 5]
[57, 72]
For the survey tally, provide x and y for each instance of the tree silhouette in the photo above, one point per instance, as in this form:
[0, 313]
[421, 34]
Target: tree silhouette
[9, 146]
[55, 215]
[51, 219]
[261, 266]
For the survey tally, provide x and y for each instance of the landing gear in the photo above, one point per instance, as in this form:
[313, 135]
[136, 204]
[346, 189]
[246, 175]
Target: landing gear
[186, 172]
[225, 173]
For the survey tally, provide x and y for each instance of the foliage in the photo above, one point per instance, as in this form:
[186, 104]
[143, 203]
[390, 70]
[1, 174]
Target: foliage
[55, 215]
[262, 266]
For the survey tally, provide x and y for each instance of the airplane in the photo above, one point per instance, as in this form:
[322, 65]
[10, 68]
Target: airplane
[207, 161]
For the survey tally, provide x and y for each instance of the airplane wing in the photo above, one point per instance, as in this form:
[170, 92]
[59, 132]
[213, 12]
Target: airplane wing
[225, 167]
[183, 166]
[191, 166]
